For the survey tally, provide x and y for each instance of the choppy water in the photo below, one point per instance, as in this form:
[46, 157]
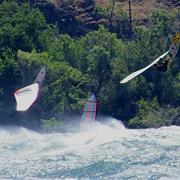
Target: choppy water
[103, 151]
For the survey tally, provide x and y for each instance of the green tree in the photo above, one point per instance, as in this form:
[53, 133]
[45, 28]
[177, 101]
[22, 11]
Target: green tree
[20, 26]
[63, 89]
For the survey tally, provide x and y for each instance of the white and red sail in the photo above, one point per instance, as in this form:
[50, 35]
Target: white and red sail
[90, 109]
[26, 96]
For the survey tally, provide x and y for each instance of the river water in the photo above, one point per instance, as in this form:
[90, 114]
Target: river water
[101, 151]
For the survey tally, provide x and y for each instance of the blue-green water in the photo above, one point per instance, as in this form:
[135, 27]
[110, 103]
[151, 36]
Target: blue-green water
[103, 151]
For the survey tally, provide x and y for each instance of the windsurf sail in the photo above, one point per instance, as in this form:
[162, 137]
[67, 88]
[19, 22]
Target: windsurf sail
[90, 109]
[136, 73]
[174, 45]
[176, 39]
[41, 75]
[26, 96]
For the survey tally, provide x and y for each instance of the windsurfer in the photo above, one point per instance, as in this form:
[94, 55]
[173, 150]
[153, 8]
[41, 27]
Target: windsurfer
[163, 66]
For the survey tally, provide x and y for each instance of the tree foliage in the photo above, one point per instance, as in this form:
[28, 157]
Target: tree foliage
[95, 62]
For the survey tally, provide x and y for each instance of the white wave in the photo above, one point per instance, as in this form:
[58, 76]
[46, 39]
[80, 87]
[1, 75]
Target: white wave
[102, 150]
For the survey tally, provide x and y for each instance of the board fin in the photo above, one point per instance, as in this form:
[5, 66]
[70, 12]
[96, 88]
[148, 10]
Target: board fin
[136, 73]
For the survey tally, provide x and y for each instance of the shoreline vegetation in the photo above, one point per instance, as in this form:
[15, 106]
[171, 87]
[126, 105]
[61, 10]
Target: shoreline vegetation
[78, 64]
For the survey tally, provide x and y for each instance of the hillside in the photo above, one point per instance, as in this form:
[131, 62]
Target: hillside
[142, 9]
[77, 17]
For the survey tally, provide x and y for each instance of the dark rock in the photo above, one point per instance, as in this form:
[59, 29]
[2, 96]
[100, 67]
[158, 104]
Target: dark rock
[176, 120]
[75, 17]
[170, 3]
[78, 17]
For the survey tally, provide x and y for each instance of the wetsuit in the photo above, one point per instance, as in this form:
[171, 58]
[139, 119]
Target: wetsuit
[162, 66]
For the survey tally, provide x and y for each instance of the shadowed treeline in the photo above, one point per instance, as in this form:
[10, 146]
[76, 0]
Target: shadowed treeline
[96, 61]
